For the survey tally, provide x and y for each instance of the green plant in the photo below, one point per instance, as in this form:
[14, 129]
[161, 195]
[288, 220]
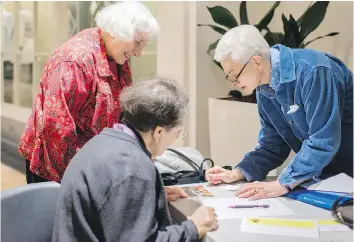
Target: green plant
[223, 17]
[296, 31]
[294, 35]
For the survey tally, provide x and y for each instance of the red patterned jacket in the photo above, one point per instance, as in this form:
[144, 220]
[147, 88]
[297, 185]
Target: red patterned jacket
[78, 97]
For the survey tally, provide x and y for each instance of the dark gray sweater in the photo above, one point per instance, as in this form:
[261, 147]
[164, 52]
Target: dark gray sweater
[111, 191]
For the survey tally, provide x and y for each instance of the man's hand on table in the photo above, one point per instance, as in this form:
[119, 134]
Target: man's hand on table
[174, 193]
[259, 190]
[217, 175]
[205, 220]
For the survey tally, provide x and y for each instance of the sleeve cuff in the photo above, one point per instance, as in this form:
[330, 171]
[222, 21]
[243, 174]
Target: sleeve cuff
[192, 230]
[286, 179]
[245, 174]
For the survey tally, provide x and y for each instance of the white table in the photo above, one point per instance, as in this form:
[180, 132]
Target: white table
[229, 230]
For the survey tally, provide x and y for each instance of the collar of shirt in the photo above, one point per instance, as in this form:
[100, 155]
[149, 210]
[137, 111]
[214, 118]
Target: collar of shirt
[127, 128]
[103, 66]
[268, 89]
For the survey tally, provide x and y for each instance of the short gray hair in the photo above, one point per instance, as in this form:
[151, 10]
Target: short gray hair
[152, 102]
[241, 43]
[125, 19]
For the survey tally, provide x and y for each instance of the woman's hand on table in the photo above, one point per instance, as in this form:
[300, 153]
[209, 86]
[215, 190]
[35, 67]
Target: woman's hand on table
[260, 190]
[217, 175]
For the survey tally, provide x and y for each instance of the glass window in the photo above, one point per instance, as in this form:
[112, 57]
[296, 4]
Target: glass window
[26, 52]
[28, 40]
[7, 27]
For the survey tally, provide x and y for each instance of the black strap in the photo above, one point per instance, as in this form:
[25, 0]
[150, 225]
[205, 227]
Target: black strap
[340, 202]
[191, 163]
[198, 168]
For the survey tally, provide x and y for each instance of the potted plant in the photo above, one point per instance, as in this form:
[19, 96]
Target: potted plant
[228, 119]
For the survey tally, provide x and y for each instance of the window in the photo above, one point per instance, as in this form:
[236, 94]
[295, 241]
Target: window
[33, 30]
[17, 52]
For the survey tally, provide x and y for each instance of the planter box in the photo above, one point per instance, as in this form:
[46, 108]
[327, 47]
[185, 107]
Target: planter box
[233, 131]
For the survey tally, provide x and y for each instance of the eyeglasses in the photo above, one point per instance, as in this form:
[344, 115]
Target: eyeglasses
[236, 78]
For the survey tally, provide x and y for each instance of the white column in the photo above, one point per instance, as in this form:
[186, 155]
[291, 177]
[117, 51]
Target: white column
[176, 55]
[35, 63]
[57, 36]
[60, 24]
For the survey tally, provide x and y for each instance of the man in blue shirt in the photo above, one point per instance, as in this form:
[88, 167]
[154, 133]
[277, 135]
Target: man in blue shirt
[305, 103]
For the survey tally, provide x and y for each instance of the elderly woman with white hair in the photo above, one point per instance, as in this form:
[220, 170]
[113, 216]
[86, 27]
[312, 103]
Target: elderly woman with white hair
[305, 103]
[80, 88]
[112, 191]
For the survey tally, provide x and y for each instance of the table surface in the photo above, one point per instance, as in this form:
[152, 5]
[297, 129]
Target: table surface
[229, 230]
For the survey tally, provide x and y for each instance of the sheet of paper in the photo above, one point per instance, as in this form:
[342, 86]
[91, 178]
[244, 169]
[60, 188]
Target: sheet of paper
[221, 205]
[229, 187]
[289, 227]
[338, 183]
[331, 225]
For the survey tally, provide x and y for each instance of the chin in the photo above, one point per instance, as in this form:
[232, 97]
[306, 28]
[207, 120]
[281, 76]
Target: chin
[120, 62]
[246, 92]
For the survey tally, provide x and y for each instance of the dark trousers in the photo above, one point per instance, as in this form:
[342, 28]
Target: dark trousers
[31, 177]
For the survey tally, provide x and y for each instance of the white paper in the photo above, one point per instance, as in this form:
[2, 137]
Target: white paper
[333, 226]
[221, 206]
[280, 230]
[229, 187]
[338, 183]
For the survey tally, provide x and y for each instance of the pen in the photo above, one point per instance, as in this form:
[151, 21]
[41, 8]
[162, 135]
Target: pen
[249, 206]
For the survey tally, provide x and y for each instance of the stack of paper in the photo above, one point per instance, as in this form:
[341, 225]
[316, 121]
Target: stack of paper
[331, 225]
[290, 227]
[338, 183]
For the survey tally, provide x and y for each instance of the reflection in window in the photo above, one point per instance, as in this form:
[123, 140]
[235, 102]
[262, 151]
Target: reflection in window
[7, 24]
[26, 50]
[8, 73]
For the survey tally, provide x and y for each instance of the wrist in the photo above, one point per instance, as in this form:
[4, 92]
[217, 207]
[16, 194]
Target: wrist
[200, 229]
[237, 174]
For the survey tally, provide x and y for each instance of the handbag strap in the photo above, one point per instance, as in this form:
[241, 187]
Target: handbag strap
[336, 214]
[198, 168]
[185, 158]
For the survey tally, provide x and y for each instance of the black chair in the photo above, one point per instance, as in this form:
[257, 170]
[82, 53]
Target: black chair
[28, 212]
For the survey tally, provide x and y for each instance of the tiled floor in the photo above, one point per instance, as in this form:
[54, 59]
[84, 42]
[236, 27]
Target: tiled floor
[11, 178]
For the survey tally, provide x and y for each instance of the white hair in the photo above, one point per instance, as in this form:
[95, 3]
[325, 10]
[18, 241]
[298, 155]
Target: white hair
[241, 43]
[125, 19]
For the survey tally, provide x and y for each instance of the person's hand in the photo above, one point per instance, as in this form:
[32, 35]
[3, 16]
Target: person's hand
[173, 193]
[259, 190]
[217, 175]
[205, 220]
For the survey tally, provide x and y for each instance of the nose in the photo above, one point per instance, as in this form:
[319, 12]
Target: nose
[137, 52]
[235, 84]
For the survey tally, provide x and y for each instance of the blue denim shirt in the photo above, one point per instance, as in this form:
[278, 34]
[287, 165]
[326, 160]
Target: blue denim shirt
[309, 97]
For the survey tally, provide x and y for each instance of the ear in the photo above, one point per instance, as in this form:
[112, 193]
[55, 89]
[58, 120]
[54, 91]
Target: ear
[258, 62]
[156, 133]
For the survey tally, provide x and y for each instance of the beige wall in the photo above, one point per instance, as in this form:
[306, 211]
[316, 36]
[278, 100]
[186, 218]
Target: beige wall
[210, 79]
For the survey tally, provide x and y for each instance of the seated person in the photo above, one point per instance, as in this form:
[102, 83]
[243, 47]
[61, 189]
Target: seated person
[305, 103]
[112, 191]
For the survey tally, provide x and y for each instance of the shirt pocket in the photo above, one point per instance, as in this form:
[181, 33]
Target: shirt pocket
[296, 117]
